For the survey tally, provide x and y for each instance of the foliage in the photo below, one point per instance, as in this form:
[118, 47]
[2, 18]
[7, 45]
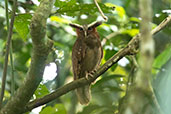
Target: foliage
[57, 109]
[41, 91]
[21, 24]
[111, 86]
[72, 8]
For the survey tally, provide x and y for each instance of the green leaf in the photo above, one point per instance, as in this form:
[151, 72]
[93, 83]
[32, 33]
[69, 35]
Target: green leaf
[98, 109]
[107, 78]
[41, 91]
[162, 58]
[57, 109]
[108, 54]
[2, 44]
[72, 8]
[59, 19]
[120, 10]
[112, 88]
[134, 19]
[90, 108]
[131, 32]
[21, 24]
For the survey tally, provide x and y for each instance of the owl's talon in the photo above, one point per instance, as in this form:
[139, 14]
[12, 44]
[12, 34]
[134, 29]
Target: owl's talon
[95, 70]
[90, 74]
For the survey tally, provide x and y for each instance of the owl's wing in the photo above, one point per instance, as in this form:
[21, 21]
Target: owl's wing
[78, 54]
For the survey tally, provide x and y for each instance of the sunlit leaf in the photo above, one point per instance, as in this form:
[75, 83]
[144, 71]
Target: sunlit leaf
[131, 32]
[7, 94]
[110, 5]
[59, 19]
[120, 10]
[134, 19]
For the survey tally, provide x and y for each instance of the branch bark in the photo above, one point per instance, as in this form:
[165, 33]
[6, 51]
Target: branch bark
[41, 48]
[146, 46]
[130, 49]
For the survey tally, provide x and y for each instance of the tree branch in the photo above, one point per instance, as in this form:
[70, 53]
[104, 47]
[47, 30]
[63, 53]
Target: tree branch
[146, 46]
[128, 50]
[41, 49]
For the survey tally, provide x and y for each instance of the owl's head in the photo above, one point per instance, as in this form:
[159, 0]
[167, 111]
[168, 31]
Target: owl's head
[85, 30]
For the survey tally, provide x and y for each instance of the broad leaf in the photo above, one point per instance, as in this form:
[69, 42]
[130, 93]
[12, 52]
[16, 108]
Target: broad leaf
[72, 8]
[21, 24]
[162, 58]
[41, 91]
[57, 109]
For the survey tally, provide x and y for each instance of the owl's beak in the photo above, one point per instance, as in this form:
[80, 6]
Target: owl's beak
[85, 33]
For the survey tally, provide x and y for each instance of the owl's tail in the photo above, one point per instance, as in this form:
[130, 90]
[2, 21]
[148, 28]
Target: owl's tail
[83, 94]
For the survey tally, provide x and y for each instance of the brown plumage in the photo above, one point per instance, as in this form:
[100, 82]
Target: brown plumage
[86, 56]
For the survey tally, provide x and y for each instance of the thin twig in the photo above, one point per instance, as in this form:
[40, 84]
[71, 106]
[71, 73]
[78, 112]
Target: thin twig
[130, 78]
[101, 12]
[134, 61]
[81, 82]
[7, 52]
[12, 71]
[11, 56]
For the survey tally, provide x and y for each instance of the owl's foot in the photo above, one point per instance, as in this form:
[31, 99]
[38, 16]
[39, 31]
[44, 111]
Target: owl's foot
[93, 71]
[90, 74]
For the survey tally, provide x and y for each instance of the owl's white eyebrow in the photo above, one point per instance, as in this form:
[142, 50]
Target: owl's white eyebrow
[95, 23]
[91, 24]
[75, 25]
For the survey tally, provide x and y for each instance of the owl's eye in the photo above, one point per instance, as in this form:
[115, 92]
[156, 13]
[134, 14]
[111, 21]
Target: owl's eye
[89, 28]
[81, 29]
